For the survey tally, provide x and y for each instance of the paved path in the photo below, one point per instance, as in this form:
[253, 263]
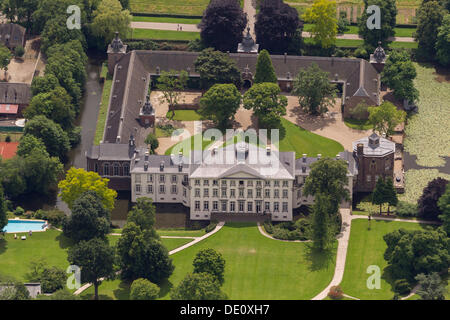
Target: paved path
[197, 240]
[343, 238]
[330, 126]
[248, 8]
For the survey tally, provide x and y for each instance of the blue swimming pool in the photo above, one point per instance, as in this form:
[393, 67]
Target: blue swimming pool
[24, 225]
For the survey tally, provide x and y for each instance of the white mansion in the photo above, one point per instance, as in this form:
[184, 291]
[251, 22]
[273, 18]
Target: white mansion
[237, 179]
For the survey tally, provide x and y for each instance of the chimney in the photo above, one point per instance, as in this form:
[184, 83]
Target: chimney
[304, 158]
[146, 166]
[161, 166]
[360, 149]
[180, 167]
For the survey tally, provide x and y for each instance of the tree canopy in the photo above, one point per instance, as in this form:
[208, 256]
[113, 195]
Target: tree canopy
[444, 205]
[431, 287]
[89, 218]
[217, 67]
[142, 289]
[276, 37]
[78, 181]
[3, 215]
[264, 68]
[388, 14]
[198, 286]
[429, 19]
[443, 42]
[210, 261]
[222, 25]
[220, 103]
[428, 201]
[385, 118]
[314, 90]
[322, 14]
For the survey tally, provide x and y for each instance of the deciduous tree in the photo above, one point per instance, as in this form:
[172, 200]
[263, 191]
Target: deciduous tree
[428, 201]
[171, 84]
[314, 90]
[78, 181]
[220, 103]
[96, 260]
[429, 19]
[110, 18]
[198, 286]
[322, 14]
[222, 25]
[210, 261]
[444, 205]
[322, 231]
[385, 118]
[431, 287]
[142, 289]
[264, 68]
[443, 42]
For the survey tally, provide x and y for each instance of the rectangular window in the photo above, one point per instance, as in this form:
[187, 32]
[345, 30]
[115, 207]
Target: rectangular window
[285, 193]
[276, 183]
[224, 182]
[215, 205]
[224, 192]
[224, 206]
[162, 178]
[285, 207]
[249, 206]
[276, 193]
[267, 206]
[232, 206]
[149, 178]
[174, 190]
[186, 178]
[232, 183]
[258, 193]
[241, 193]
[241, 206]
[138, 188]
[197, 193]
[215, 182]
[197, 182]
[206, 182]
[215, 193]
[250, 183]
[276, 206]
[138, 178]
[197, 205]
[285, 183]
[267, 184]
[162, 189]
[184, 192]
[258, 183]
[174, 178]
[206, 193]
[267, 193]
[149, 188]
[206, 205]
[250, 193]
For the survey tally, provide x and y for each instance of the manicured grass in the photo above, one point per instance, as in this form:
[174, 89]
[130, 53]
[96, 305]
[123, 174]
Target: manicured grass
[109, 290]
[184, 115]
[260, 268]
[170, 244]
[164, 34]
[366, 248]
[102, 114]
[16, 254]
[181, 233]
[15, 136]
[183, 7]
[166, 20]
[405, 45]
[189, 144]
[399, 32]
[358, 124]
[303, 141]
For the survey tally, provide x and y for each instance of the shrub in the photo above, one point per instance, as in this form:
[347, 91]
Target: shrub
[19, 51]
[74, 136]
[19, 211]
[28, 214]
[52, 279]
[406, 209]
[361, 53]
[54, 217]
[210, 227]
[268, 226]
[401, 286]
[8, 138]
[336, 293]
[142, 289]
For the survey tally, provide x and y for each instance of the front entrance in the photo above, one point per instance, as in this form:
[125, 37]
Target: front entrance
[258, 206]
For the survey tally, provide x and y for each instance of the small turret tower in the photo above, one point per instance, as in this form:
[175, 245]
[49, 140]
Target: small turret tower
[116, 50]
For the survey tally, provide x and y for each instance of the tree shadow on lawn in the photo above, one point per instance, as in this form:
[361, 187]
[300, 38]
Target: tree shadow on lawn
[64, 242]
[319, 259]
[123, 292]
[165, 287]
[3, 245]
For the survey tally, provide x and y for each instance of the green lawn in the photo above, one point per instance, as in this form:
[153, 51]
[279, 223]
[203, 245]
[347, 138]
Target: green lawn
[181, 233]
[366, 247]
[182, 7]
[399, 32]
[102, 114]
[358, 124]
[261, 268]
[15, 255]
[303, 141]
[185, 115]
[164, 34]
[109, 290]
[189, 144]
[166, 20]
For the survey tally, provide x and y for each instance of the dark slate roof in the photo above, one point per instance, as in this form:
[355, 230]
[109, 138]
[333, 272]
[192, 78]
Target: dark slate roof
[11, 34]
[307, 161]
[111, 151]
[130, 89]
[15, 93]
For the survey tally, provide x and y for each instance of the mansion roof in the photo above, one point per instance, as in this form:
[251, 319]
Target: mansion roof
[132, 79]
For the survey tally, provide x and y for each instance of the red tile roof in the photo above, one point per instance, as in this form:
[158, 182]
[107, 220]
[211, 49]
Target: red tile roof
[8, 149]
